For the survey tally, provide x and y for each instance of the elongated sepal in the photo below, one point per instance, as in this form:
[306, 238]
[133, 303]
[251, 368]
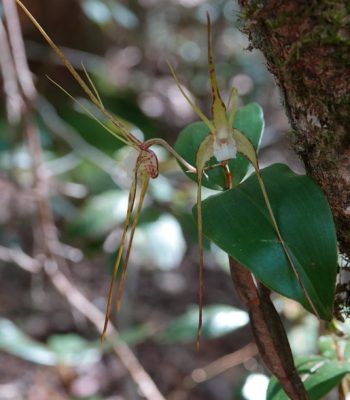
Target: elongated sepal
[146, 167]
[131, 201]
[205, 153]
[249, 120]
[245, 147]
[144, 177]
[122, 131]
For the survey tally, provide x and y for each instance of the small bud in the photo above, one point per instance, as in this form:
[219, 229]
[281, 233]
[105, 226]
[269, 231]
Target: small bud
[149, 162]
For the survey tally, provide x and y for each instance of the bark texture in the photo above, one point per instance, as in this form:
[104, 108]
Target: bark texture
[307, 48]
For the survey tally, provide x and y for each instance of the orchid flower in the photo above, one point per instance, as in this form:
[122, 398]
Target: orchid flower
[146, 166]
[223, 143]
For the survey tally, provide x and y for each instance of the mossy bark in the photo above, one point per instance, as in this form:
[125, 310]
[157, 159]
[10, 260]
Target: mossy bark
[307, 48]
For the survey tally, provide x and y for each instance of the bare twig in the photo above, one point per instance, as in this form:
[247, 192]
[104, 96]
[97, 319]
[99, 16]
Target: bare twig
[47, 229]
[24, 75]
[215, 368]
[17, 256]
[145, 384]
[14, 101]
[222, 364]
[78, 301]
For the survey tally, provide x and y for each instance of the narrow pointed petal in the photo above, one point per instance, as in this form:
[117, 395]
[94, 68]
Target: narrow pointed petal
[201, 258]
[131, 202]
[218, 107]
[116, 133]
[143, 190]
[194, 106]
[90, 94]
[204, 153]
[245, 147]
[232, 105]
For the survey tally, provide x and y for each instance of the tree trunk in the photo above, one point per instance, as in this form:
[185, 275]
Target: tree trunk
[307, 48]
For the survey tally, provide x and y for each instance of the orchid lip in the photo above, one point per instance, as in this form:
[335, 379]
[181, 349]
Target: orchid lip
[224, 150]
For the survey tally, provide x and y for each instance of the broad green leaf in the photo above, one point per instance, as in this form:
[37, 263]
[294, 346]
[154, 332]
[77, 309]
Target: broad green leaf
[249, 120]
[238, 221]
[218, 320]
[319, 375]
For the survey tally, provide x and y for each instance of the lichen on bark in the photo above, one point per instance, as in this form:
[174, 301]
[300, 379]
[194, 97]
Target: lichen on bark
[307, 48]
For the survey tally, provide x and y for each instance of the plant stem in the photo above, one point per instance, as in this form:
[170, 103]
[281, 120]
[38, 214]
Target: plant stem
[166, 145]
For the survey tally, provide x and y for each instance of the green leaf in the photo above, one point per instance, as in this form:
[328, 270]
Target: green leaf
[327, 346]
[100, 214]
[329, 349]
[72, 349]
[319, 375]
[14, 341]
[90, 130]
[134, 335]
[68, 349]
[218, 320]
[238, 222]
[249, 120]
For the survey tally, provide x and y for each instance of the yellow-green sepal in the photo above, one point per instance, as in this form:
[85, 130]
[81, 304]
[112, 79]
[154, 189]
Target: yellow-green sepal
[248, 120]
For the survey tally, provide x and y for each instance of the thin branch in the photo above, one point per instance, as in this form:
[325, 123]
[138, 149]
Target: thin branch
[14, 101]
[47, 229]
[222, 364]
[18, 257]
[144, 382]
[15, 37]
[210, 371]
[78, 301]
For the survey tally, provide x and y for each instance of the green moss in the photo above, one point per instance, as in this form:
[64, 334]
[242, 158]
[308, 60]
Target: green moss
[250, 10]
[307, 49]
[278, 20]
[334, 13]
